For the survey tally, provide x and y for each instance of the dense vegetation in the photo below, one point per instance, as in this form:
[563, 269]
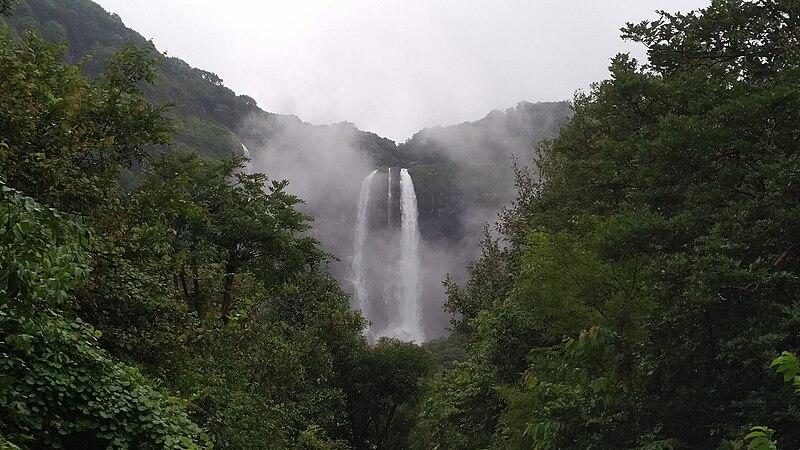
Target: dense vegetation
[647, 274]
[641, 292]
[187, 311]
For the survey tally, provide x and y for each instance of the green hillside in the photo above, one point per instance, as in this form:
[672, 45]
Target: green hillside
[209, 116]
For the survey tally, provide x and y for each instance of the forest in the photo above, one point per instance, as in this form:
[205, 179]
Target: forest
[641, 291]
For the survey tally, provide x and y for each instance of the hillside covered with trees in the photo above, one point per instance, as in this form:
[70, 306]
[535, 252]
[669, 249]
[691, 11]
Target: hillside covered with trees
[209, 117]
[647, 275]
[188, 311]
[640, 292]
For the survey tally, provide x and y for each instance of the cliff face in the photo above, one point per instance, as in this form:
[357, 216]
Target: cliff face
[463, 175]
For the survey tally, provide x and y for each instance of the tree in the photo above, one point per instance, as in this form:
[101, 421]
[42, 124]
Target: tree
[383, 394]
[225, 217]
[5, 7]
[664, 213]
[93, 310]
[69, 140]
[58, 387]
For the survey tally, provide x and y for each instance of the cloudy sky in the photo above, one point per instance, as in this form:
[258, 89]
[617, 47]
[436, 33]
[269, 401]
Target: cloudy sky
[394, 66]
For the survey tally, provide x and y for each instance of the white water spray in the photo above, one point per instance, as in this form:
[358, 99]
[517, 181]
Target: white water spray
[389, 200]
[246, 165]
[360, 240]
[409, 320]
[399, 315]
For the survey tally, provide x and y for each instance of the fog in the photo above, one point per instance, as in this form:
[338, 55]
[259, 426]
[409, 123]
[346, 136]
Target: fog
[394, 67]
[326, 166]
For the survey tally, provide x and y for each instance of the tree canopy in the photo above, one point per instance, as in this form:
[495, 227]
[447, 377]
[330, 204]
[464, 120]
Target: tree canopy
[648, 272]
[186, 308]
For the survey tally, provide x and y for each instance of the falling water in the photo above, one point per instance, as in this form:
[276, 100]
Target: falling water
[246, 154]
[409, 296]
[399, 315]
[389, 200]
[360, 240]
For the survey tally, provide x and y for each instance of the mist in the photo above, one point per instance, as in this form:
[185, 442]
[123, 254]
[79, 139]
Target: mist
[324, 167]
[463, 175]
[395, 67]
[406, 71]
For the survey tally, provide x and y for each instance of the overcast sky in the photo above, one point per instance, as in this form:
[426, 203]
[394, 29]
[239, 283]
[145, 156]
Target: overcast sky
[394, 67]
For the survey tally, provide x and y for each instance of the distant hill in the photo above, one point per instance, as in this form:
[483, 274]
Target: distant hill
[457, 167]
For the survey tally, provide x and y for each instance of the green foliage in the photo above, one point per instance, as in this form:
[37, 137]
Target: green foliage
[314, 438]
[572, 394]
[488, 282]
[789, 366]
[460, 408]
[74, 393]
[67, 139]
[760, 438]
[273, 324]
[58, 387]
[42, 254]
[267, 376]
[200, 278]
[226, 218]
[383, 391]
[448, 351]
[201, 105]
[662, 216]
[6, 6]
[213, 140]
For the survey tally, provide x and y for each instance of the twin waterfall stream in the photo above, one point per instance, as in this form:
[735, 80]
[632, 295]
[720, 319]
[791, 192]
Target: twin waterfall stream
[394, 309]
[360, 240]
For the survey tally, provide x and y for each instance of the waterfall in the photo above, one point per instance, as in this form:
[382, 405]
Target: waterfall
[389, 200]
[394, 248]
[246, 153]
[359, 242]
[409, 320]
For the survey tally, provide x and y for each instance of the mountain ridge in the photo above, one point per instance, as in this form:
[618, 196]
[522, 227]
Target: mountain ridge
[193, 93]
